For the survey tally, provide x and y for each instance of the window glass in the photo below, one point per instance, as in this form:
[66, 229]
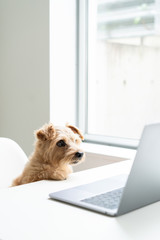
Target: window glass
[123, 66]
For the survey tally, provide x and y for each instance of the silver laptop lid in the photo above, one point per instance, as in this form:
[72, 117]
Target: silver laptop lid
[143, 185]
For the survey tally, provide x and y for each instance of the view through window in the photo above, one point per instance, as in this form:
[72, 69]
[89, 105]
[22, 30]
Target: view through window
[123, 66]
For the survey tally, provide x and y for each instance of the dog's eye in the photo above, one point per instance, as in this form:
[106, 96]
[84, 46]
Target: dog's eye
[61, 143]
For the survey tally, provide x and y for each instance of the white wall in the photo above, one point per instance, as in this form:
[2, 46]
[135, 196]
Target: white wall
[63, 62]
[24, 69]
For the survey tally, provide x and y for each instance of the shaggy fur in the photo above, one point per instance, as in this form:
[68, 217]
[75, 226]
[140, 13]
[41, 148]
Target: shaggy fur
[56, 149]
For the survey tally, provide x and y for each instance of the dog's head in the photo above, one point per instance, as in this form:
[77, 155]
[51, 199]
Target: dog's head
[60, 145]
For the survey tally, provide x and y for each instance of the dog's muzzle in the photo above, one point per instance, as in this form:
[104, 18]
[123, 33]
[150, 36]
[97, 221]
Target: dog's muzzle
[77, 157]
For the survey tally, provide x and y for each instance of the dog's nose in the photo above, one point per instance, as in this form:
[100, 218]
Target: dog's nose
[79, 154]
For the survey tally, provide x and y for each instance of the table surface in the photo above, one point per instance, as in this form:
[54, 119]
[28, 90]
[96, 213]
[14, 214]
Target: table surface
[27, 213]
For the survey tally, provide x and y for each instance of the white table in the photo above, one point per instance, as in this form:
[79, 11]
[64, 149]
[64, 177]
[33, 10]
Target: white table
[26, 213]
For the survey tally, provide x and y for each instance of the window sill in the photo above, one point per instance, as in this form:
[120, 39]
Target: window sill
[108, 150]
[99, 155]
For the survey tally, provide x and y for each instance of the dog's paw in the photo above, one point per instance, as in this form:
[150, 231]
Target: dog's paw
[59, 175]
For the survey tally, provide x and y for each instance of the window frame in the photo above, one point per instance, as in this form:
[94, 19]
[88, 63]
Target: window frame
[82, 85]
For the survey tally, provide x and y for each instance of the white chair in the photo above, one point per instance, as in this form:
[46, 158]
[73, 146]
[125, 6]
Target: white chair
[12, 161]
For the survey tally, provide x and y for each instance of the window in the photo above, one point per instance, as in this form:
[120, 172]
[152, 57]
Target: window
[119, 69]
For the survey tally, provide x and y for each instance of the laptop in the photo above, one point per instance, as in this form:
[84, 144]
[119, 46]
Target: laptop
[121, 194]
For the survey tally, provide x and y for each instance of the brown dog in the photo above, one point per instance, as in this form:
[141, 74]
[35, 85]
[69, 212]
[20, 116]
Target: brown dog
[56, 149]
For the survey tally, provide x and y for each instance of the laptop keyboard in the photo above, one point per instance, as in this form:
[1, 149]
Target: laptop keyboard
[107, 200]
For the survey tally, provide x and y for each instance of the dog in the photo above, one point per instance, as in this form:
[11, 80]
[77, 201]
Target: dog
[56, 150]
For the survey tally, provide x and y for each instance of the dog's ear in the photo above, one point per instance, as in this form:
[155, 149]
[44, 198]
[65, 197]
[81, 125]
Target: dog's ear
[46, 132]
[75, 130]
